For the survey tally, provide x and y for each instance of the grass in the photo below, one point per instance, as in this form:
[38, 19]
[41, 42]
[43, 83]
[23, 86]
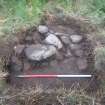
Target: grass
[19, 13]
[39, 96]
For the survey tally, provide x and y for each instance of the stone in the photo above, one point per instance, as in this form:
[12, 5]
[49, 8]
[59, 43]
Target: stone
[42, 29]
[65, 40]
[53, 40]
[19, 49]
[50, 51]
[79, 53]
[82, 63]
[39, 52]
[76, 38]
[75, 46]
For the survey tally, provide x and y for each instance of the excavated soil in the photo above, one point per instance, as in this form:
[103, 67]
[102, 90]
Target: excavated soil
[62, 63]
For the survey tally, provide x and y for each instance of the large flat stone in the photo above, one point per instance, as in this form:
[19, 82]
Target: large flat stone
[39, 52]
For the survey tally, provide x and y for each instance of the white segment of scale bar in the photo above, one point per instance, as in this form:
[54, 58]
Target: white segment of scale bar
[74, 76]
[55, 76]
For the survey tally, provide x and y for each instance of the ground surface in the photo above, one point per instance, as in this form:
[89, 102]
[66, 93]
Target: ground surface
[62, 64]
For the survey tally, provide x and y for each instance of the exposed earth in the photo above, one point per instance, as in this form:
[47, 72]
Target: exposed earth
[58, 47]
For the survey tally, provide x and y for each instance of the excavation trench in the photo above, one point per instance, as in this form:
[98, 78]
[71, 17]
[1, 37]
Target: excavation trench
[72, 58]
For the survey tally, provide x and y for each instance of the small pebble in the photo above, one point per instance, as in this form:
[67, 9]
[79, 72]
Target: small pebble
[76, 38]
[75, 46]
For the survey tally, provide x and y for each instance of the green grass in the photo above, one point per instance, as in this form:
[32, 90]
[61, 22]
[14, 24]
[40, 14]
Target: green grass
[92, 9]
[20, 13]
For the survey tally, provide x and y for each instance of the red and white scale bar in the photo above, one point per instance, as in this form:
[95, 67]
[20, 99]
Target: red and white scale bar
[54, 76]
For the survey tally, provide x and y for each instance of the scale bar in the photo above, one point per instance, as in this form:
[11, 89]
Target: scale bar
[54, 76]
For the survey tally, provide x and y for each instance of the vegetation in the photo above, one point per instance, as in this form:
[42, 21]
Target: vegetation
[39, 96]
[21, 14]
[18, 13]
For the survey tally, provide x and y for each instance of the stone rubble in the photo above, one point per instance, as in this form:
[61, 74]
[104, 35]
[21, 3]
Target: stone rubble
[53, 43]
